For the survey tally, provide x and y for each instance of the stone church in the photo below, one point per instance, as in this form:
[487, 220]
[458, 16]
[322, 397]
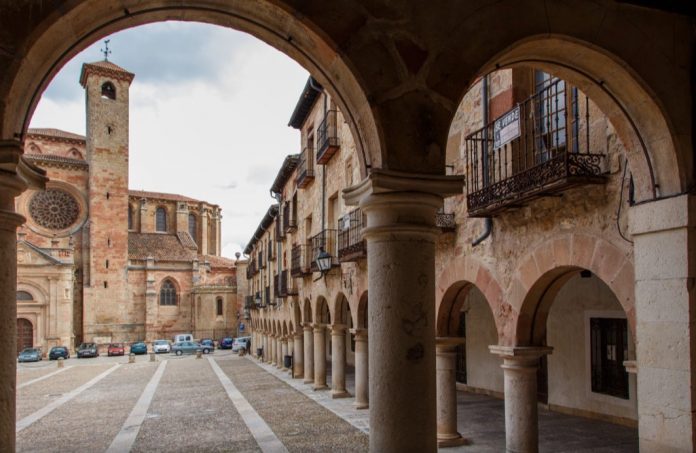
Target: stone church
[98, 262]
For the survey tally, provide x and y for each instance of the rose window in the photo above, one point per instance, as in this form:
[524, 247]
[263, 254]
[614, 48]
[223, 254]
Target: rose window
[54, 209]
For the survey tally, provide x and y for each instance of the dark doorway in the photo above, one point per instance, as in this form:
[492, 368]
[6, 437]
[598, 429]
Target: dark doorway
[461, 350]
[25, 334]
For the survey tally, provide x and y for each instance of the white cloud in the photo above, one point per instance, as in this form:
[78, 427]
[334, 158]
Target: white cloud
[218, 133]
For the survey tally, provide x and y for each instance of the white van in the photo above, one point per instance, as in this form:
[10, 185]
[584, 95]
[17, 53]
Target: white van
[182, 337]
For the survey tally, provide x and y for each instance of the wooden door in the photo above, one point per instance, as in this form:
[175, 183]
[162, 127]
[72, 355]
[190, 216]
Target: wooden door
[25, 334]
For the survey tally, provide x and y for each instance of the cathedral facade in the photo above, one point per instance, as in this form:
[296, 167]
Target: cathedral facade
[101, 263]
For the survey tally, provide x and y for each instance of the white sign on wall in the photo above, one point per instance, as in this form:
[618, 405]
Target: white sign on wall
[506, 128]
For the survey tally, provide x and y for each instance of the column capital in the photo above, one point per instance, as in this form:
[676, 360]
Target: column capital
[307, 327]
[520, 355]
[398, 202]
[16, 173]
[360, 334]
[448, 344]
[318, 327]
[338, 329]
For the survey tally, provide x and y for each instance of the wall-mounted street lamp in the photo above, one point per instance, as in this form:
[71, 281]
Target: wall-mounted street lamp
[259, 301]
[323, 262]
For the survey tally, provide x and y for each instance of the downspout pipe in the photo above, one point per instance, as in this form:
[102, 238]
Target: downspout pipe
[278, 244]
[488, 221]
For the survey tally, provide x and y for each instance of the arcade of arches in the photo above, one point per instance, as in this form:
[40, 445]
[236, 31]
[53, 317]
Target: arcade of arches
[398, 74]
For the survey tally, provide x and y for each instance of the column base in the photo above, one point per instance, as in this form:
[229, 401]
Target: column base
[358, 405]
[308, 381]
[299, 376]
[336, 394]
[455, 440]
[320, 387]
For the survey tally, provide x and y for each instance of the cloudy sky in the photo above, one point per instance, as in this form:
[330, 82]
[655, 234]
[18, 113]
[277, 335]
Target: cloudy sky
[209, 109]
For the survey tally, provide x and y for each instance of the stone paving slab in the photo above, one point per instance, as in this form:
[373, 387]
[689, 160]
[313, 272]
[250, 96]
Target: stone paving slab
[29, 371]
[35, 396]
[190, 412]
[91, 420]
[300, 423]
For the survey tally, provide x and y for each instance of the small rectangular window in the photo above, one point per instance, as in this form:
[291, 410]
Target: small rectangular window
[107, 264]
[219, 306]
[609, 349]
[106, 284]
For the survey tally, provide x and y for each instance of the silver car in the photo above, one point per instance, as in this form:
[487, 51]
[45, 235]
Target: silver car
[161, 346]
[190, 347]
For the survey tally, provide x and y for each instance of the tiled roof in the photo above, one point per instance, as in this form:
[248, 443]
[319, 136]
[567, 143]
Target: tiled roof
[58, 160]
[55, 133]
[107, 69]
[289, 165]
[186, 240]
[161, 196]
[217, 261]
[309, 95]
[162, 247]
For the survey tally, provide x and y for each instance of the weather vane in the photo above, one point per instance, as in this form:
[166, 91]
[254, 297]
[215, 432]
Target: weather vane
[106, 51]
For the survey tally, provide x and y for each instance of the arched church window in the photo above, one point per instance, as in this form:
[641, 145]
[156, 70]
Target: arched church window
[161, 219]
[23, 295]
[168, 293]
[108, 90]
[192, 226]
[218, 302]
[130, 217]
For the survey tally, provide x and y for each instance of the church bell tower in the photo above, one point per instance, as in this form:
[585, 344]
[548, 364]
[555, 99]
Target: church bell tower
[107, 312]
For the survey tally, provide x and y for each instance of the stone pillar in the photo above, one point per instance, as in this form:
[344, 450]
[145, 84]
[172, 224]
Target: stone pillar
[665, 270]
[308, 354]
[279, 351]
[446, 368]
[320, 357]
[16, 175]
[338, 362]
[361, 369]
[520, 365]
[283, 351]
[401, 234]
[298, 355]
[271, 349]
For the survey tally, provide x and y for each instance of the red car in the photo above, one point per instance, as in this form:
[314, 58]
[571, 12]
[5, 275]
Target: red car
[115, 349]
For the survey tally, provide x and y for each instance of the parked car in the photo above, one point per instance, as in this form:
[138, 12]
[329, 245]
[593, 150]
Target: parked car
[87, 350]
[207, 342]
[29, 355]
[161, 346]
[241, 342]
[182, 337]
[115, 349]
[58, 351]
[190, 347]
[139, 347]
[225, 343]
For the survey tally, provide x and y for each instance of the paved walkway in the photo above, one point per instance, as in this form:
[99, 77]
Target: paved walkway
[229, 403]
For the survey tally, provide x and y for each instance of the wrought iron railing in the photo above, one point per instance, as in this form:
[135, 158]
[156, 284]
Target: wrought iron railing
[539, 147]
[300, 259]
[287, 285]
[305, 167]
[445, 221]
[327, 137]
[289, 217]
[325, 240]
[251, 269]
[257, 297]
[249, 302]
[351, 246]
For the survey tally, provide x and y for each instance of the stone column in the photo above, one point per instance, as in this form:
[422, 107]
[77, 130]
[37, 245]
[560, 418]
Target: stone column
[298, 355]
[16, 175]
[272, 350]
[446, 368]
[320, 357]
[520, 365]
[338, 362]
[664, 238]
[279, 352]
[361, 369]
[308, 354]
[401, 234]
[283, 351]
